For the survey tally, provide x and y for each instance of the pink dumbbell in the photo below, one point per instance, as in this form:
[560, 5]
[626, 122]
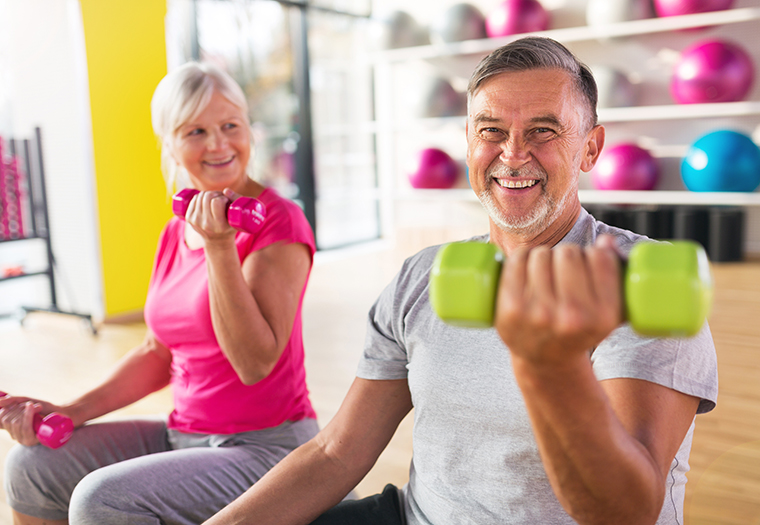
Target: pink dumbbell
[52, 430]
[244, 213]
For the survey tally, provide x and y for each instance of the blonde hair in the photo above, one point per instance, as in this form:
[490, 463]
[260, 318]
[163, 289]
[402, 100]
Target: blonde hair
[180, 97]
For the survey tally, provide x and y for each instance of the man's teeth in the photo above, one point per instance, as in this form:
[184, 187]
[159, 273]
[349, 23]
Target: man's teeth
[509, 183]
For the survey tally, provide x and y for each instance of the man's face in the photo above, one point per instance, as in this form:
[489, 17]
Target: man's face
[527, 141]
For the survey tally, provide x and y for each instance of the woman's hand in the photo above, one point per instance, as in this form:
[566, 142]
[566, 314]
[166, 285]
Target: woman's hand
[17, 414]
[207, 214]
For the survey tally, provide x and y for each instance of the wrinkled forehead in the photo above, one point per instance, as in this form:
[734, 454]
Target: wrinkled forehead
[534, 93]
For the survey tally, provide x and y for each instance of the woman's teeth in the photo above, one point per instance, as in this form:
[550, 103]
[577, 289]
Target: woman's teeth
[218, 162]
[516, 184]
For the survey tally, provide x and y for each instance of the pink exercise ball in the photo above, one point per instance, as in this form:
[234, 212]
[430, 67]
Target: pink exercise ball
[712, 71]
[686, 7]
[512, 17]
[433, 169]
[625, 166]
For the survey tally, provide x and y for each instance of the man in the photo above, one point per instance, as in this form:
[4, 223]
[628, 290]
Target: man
[559, 414]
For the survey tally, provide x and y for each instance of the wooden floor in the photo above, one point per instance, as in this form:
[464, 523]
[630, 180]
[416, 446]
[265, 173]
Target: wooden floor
[55, 358]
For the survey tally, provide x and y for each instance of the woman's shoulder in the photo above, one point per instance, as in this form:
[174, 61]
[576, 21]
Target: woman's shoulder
[273, 200]
[172, 230]
[285, 220]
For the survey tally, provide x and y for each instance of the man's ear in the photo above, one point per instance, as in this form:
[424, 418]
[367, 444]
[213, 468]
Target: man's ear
[467, 141]
[594, 145]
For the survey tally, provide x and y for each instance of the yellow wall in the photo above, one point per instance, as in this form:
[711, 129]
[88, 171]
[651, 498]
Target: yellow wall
[126, 58]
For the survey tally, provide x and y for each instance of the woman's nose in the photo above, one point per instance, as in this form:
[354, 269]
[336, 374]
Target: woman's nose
[216, 140]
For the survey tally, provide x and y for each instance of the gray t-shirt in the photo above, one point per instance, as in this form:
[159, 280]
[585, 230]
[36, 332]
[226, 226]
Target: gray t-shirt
[475, 457]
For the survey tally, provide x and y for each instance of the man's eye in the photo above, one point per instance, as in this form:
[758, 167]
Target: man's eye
[543, 134]
[491, 134]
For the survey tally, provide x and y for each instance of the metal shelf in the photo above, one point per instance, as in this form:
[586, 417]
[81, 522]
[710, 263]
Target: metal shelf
[574, 34]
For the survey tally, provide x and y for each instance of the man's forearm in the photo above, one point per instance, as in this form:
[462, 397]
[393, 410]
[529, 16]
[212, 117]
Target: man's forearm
[296, 491]
[599, 472]
[318, 475]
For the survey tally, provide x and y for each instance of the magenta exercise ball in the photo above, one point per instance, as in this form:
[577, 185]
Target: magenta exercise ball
[686, 7]
[433, 168]
[625, 166]
[712, 71]
[512, 17]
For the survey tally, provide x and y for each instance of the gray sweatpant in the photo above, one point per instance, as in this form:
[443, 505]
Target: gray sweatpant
[138, 472]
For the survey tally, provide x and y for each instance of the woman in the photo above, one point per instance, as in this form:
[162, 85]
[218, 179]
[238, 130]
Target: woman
[224, 329]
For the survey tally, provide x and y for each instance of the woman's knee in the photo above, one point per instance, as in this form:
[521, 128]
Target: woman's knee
[32, 483]
[100, 498]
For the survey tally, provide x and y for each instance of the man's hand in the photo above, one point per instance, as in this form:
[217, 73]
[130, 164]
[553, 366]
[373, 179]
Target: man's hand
[553, 304]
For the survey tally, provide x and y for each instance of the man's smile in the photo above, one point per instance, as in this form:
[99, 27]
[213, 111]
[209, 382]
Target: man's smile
[516, 184]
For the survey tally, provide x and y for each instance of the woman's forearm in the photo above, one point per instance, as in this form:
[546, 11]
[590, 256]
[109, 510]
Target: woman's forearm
[245, 336]
[142, 371]
[253, 307]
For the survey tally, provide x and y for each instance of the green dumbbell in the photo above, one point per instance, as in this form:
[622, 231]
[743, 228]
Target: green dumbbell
[668, 287]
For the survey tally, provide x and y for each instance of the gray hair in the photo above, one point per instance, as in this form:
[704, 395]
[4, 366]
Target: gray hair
[179, 98]
[537, 53]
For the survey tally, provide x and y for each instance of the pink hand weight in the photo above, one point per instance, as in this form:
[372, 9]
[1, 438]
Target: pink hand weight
[244, 213]
[53, 430]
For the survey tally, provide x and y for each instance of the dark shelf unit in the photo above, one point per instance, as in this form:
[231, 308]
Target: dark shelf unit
[32, 167]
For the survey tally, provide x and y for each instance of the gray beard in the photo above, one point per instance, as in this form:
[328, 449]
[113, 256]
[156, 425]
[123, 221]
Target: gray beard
[539, 218]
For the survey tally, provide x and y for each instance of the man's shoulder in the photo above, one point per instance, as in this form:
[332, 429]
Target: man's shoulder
[588, 228]
[422, 261]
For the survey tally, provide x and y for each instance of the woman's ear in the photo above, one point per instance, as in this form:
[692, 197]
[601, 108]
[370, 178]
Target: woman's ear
[169, 147]
[594, 145]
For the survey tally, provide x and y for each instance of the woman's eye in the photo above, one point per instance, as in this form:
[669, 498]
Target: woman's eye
[194, 132]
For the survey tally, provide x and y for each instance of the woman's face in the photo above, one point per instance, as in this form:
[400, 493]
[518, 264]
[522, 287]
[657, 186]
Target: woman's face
[215, 146]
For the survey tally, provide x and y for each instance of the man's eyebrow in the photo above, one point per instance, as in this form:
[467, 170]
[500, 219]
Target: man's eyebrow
[541, 119]
[481, 117]
[546, 119]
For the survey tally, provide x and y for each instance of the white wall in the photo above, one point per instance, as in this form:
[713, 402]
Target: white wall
[45, 72]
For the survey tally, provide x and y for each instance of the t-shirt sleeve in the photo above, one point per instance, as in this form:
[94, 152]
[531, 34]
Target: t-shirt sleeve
[384, 356]
[687, 365]
[285, 222]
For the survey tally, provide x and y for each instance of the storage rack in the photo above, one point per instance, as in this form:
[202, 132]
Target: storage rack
[29, 153]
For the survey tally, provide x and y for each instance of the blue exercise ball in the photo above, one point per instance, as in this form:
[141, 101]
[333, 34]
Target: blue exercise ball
[722, 160]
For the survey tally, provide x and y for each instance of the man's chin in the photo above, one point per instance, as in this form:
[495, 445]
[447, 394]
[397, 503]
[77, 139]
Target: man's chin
[532, 222]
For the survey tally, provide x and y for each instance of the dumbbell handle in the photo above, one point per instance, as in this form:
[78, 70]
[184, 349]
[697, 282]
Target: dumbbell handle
[244, 213]
[53, 430]
[667, 287]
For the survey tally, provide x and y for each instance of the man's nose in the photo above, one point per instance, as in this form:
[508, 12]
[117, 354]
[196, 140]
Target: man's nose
[514, 152]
